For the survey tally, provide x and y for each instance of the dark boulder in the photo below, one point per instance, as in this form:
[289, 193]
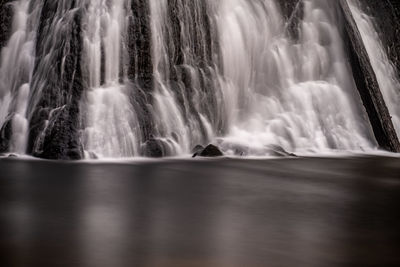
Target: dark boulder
[211, 151]
[153, 148]
[197, 150]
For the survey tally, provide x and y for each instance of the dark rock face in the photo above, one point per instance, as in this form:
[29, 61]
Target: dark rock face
[293, 11]
[153, 148]
[387, 21]
[140, 65]
[211, 151]
[368, 86]
[191, 41]
[5, 135]
[57, 84]
[6, 14]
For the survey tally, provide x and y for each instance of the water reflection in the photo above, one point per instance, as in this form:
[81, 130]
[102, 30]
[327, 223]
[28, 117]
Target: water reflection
[301, 212]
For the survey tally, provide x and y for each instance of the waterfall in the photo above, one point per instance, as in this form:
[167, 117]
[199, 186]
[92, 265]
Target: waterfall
[188, 107]
[110, 121]
[299, 95]
[16, 66]
[129, 78]
[384, 69]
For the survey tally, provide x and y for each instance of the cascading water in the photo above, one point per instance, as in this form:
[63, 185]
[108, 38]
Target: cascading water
[111, 126]
[295, 94]
[384, 70]
[125, 78]
[188, 108]
[17, 62]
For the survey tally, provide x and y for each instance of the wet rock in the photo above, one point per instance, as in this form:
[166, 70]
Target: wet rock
[211, 151]
[197, 150]
[5, 135]
[12, 156]
[60, 141]
[293, 12]
[57, 84]
[175, 137]
[153, 148]
[6, 14]
[93, 155]
[278, 151]
[139, 68]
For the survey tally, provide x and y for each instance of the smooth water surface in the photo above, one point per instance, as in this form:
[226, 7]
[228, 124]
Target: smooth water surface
[226, 212]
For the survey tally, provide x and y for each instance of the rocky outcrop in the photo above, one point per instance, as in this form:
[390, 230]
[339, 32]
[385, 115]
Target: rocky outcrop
[367, 85]
[209, 152]
[153, 148]
[57, 84]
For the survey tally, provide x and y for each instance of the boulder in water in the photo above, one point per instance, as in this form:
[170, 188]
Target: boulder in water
[197, 150]
[211, 151]
[278, 151]
[153, 148]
